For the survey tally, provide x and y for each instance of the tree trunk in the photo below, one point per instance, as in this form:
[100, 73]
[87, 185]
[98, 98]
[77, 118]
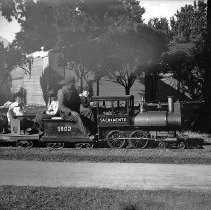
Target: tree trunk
[179, 86]
[98, 87]
[127, 90]
[81, 84]
[82, 79]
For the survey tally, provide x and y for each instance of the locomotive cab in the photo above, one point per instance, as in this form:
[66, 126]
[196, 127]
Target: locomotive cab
[114, 110]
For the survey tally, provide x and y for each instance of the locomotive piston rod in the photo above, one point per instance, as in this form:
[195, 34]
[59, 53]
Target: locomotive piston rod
[131, 138]
[152, 139]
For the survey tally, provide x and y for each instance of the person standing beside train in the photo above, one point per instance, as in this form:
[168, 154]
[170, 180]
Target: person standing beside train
[3, 118]
[69, 106]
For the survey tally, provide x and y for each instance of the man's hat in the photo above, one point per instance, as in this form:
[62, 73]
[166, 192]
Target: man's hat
[18, 94]
[52, 93]
[69, 79]
[86, 88]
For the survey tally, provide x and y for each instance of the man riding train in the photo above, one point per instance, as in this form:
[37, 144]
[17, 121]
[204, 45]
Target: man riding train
[69, 108]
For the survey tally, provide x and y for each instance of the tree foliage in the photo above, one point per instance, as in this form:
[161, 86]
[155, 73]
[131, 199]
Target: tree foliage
[161, 24]
[96, 35]
[10, 57]
[133, 48]
[190, 24]
[186, 55]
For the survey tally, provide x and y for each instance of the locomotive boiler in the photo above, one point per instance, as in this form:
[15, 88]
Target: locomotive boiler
[170, 119]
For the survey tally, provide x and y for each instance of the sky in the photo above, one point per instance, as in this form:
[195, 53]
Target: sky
[154, 8]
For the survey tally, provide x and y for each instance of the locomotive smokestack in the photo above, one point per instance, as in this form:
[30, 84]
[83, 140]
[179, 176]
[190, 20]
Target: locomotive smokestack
[170, 104]
[142, 104]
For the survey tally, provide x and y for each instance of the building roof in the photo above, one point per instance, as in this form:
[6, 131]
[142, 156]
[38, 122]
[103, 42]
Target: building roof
[42, 53]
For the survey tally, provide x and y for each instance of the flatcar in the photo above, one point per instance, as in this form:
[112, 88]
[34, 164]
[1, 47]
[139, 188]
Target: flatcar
[118, 122]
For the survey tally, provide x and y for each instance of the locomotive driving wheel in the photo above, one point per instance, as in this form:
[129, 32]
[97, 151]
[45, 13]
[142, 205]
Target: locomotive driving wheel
[89, 145]
[115, 139]
[142, 139]
[79, 145]
[181, 145]
[24, 143]
[56, 145]
[162, 145]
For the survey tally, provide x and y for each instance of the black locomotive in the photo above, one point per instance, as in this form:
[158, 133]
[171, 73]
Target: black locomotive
[119, 122]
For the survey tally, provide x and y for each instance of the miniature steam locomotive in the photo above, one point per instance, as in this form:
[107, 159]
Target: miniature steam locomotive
[118, 122]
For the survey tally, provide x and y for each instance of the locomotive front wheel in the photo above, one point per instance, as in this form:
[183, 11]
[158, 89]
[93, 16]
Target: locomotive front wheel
[114, 141]
[142, 139]
[27, 144]
[181, 145]
[162, 145]
[89, 145]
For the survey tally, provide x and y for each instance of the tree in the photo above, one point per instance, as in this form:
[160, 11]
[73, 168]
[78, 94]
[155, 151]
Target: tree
[186, 54]
[132, 48]
[10, 57]
[190, 24]
[4, 73]
[106, 18]
[36, 20]
[160, 24]
[86, 31]
[70, 25]
[125, 76]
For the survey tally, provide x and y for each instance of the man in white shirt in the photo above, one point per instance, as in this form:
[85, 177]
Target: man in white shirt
[17, 109]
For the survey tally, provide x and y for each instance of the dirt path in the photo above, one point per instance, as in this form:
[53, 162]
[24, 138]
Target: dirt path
[107, 175]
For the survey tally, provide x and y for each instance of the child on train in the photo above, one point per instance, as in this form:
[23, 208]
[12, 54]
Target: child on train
[52, 111]
[17, 110]
[53, 105]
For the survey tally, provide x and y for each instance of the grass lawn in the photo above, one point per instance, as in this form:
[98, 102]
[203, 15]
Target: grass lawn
[12, 197]
[190, 156]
